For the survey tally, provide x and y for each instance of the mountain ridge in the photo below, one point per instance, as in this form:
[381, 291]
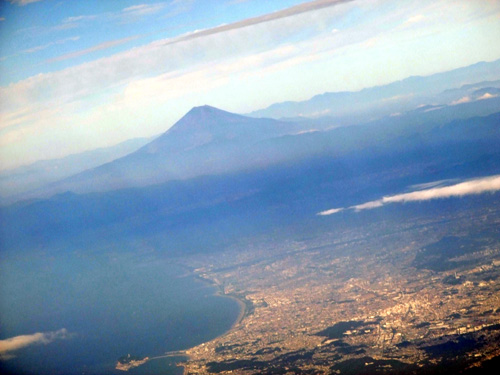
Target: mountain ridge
[382, 100]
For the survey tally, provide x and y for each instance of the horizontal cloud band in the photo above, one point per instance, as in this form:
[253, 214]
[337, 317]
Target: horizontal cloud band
[477, 186]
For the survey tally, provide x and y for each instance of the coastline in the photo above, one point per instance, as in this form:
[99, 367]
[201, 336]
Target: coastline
[184, 353]
[239, 299]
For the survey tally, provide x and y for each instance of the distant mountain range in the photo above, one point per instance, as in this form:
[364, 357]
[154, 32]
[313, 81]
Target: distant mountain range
[210, 141]
[16, 182]
[347, 108]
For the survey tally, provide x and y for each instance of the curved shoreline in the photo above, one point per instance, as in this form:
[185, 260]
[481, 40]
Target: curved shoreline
[219, 292]
[243, 310]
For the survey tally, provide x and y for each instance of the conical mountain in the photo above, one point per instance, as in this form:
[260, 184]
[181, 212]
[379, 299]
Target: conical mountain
[204, 125]
[205, 141]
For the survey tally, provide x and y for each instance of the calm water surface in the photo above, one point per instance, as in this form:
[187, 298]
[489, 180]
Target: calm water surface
[110, 305]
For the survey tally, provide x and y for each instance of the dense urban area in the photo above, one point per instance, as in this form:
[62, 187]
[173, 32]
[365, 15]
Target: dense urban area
[386, 298]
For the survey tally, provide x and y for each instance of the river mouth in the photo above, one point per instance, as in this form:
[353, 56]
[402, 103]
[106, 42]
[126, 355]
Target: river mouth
[83, 311]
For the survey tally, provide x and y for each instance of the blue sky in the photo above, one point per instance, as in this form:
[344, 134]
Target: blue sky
[82, 74]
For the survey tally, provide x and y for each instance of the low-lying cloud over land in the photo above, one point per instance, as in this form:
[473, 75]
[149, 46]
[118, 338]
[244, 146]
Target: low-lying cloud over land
[18, 342]
[476, 186]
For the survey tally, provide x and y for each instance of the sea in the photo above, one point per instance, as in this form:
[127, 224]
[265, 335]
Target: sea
[79, 313]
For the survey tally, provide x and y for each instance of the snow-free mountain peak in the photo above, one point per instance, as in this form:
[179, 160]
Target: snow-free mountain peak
[206, 125]
[206, 140]
[205, 117]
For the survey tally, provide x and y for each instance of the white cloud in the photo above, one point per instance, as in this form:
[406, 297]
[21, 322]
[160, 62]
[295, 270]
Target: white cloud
[415, 19]
[486, 96]
[367, 205]
[324, 112]
[435, 108]
[73, 20]
[465, 99]
[143, 9]
[477, 186]
[398, 97]
[18, 342]
[433, 184]
[329, 212]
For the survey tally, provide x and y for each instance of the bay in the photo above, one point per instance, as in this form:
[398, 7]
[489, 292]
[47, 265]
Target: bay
[92, 309]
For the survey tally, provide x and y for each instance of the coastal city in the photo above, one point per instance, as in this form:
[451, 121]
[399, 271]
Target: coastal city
[374, 300]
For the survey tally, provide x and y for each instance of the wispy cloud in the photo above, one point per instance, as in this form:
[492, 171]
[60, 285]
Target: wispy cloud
[40, 47]
[329, 212]
[433, 184]
[45, 46]
[143, 9]
[292, 11]
[23, 2]
[74, 19]
[414, 19]
[98, 47]
[130, 13]
[472, 187]
[13, 344]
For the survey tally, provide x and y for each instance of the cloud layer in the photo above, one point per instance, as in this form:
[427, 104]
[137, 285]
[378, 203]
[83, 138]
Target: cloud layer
[477, 186]
[18, 342]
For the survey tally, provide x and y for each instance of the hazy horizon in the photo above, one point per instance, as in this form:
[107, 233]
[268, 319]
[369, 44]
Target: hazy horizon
[94, 73]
